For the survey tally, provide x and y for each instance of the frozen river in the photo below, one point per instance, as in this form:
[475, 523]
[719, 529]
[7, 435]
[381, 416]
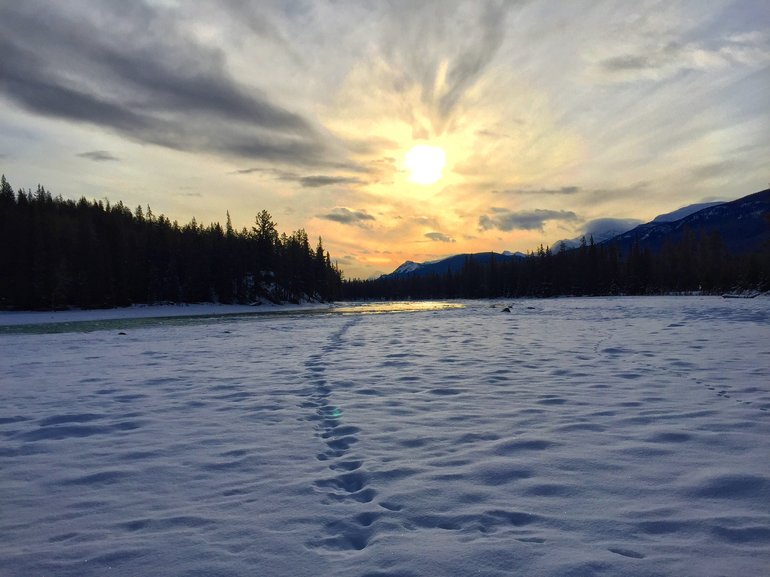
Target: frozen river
[569, 437]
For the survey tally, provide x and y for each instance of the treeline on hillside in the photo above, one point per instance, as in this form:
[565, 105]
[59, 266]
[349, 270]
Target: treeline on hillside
[57, 253]
[698, 262]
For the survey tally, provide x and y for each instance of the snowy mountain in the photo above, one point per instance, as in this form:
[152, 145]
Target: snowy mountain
[605, 229]
[684, 212]
[743, 225]
[453, 264]
[406, 268]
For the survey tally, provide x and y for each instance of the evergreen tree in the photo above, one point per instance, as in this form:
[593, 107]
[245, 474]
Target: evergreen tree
[56, 253]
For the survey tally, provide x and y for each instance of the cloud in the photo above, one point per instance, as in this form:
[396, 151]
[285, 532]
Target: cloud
[541, 191]
[346, 259]
[714, 169]
[506, 221]
[346, 216]
[602, 226]
[634, 189]
[320, 180]
[439, 237]
[98, 156]
[312, 181]
[655, 49]
[627, 62]
[135, 70]
[441, 49]
[469, 63]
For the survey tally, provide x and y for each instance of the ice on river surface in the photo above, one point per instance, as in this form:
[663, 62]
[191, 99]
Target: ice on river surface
[569, 437]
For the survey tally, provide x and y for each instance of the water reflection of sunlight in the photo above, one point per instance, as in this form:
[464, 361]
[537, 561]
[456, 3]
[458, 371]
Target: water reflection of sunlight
[378, 308]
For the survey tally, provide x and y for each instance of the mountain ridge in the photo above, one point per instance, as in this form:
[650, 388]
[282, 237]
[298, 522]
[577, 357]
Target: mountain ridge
[743, 224]
[452, 264]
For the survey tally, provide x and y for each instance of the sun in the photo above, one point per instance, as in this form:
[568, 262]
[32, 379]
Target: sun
[424, 163]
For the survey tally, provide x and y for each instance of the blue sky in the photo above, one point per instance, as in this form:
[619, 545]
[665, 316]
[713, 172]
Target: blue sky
[551, 114]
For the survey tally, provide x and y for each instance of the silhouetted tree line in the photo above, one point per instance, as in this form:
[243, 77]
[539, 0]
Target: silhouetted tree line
[56, 253]
[697, 262]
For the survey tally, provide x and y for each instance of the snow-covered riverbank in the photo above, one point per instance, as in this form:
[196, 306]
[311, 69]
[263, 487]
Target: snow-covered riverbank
[144, 312]
[611, 437]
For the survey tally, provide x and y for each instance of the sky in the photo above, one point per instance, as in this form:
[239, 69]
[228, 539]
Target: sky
[551, 118]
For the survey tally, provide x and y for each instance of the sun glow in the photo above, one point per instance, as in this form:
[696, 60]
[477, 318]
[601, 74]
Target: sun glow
[424, 163]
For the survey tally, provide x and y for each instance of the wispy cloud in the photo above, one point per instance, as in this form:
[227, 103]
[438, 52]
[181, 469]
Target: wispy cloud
[97, 64]
[565, 190]
[627, 62]
[310, 181]
[346, 216]
[714, 169]
[506, 221]
[441, 49]
[656, 47]
[439, 237]
[318, 181]
[98, 156]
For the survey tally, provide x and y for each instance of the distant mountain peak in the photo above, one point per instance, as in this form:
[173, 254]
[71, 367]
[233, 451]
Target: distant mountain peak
[453, 264]
[684, 212]
[407, 267]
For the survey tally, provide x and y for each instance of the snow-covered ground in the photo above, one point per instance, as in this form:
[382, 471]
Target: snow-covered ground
[570, 437]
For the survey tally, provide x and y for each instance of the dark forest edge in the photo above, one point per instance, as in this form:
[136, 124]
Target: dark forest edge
[57, 253]
[721, 249]
[696, 264]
